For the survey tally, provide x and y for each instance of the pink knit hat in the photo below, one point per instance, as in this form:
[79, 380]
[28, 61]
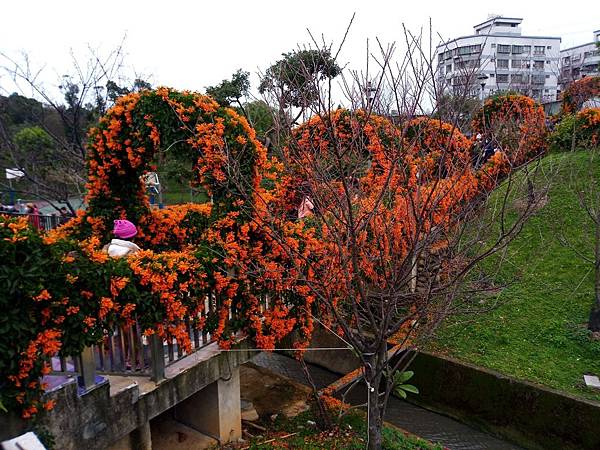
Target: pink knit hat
[124, 229]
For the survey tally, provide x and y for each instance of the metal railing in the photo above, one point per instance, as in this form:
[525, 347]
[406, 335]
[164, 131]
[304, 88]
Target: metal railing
[44, 222]
[127, 352]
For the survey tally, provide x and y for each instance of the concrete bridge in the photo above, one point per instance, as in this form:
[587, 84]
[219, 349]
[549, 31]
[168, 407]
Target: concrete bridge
[183, 401]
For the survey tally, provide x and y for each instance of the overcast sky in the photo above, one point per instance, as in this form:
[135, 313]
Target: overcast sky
[194, 44]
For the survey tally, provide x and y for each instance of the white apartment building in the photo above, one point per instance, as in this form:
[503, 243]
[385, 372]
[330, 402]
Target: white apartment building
[499, 58]
[580, 61]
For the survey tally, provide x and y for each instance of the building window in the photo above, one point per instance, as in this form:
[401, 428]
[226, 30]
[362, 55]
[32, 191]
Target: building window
[492, 75]
[547, 62]
[526, 49]
[516, 78]
[517, 49]
[537, 79]
[502, 78]
[502, 63]
[503, 48]
[449, 68]
[493, 45]
[547, 76]
[539, 50]
[549, 47]
[538, 65]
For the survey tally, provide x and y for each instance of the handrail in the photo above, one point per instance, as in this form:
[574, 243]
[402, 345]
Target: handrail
[44, 222]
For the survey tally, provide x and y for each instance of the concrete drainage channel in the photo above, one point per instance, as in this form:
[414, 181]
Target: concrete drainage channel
[417, 420]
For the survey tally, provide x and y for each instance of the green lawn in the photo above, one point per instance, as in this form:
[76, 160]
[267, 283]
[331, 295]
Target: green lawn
[177, 193]
[539, 331]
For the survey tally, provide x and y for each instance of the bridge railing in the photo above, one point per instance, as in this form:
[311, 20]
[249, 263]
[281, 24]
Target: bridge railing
[126, 351]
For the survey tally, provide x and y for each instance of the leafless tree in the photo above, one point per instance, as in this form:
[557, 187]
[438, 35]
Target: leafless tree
[393, 270]
[93, 82]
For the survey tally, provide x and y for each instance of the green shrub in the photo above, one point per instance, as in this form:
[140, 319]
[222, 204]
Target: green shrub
[580, 130]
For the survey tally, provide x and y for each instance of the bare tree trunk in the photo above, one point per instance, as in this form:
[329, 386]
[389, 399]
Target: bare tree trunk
[375, 424]
[373, 377]
[324, 421]
[594, 320]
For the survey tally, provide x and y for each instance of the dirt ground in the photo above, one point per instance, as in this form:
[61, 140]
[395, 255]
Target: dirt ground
[270, 393]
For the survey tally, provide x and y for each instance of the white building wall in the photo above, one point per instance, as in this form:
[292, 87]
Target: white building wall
[577, 62]
[529, 64]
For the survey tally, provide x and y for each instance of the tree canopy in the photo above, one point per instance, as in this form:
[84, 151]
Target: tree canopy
[231, 91]
[294, 78]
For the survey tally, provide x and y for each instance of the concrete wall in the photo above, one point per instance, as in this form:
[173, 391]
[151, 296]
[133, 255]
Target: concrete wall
[99, 419]
[529, 414]
[215, 410]
[337, 361]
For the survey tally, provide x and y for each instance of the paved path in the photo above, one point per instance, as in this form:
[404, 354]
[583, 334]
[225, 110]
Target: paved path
[422, 422]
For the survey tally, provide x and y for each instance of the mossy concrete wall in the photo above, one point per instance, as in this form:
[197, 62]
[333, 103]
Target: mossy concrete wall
[531, 415]
[528, 414]
[101, 418]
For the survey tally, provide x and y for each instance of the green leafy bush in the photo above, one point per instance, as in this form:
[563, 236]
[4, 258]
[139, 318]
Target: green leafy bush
[579, 130]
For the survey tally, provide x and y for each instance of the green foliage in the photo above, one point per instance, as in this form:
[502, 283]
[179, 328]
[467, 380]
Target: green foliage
[293, 78]
[34, 149]
[563, 137]
[457, 109]
[260, 115]
[17, 110]
[578, 130]
[400, 386]
[114, 91]
[33, 139]
[230, 91]
[350, 434]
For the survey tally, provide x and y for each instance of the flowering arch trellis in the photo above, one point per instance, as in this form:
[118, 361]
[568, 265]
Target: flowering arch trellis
[238, 248]
[214, 249]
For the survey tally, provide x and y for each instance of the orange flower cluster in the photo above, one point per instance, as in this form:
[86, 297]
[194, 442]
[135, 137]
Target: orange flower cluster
[17, 229]
[589, 119]
[176, 279]
[439, 148]
[169, 228]
[515, 123]
[578, 92]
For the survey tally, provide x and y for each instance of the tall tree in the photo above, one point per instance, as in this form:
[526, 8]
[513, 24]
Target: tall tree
[294, 79]
[395, 224]
[229, 92]
[86, 93]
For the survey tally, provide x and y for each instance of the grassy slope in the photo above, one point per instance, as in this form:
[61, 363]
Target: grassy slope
[538, 333]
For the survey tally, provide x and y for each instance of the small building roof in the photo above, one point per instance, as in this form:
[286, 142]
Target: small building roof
[491, 20]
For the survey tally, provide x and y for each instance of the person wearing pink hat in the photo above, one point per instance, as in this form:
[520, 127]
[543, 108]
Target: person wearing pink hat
[122, 244]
